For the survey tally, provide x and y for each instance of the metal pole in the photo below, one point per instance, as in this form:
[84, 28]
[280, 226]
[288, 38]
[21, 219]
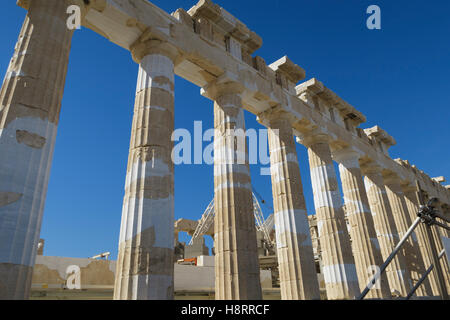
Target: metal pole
[425, 275]
[440, 216]
[389, 259]
[443, 226]
[441, 282]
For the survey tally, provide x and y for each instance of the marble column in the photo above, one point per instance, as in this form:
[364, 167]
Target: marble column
[339, 269]
[30, 103]
[414, 261]
[387, 234]
[412, 201]
[298, 276]
[438, 233]
[365, 245]
[236, 256]
[145, 263]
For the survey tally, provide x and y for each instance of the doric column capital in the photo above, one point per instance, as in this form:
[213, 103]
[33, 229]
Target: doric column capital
[273, 116]
[371, 169]
[391, 178]
[345, 155]
[313, 138]
[153, 42]
[225, 84]
[409, 188]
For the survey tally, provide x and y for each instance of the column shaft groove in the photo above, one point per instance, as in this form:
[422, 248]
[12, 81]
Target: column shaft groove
[145, 261]
[412, 203]
[365, 246]
[388, 237]
[410, 250]
[30, 103]
[339, 269]
[236, 258]
[298, 276]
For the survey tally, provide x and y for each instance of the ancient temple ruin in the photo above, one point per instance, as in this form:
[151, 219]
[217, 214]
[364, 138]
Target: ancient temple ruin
[209, 47]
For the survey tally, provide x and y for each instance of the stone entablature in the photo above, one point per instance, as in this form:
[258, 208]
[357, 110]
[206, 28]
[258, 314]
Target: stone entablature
[202, 61]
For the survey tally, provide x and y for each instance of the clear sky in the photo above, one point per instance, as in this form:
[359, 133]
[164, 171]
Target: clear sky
[398, 77]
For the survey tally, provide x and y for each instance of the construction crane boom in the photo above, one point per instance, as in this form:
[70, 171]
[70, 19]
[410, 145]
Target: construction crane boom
[205, 222]
[207, 219]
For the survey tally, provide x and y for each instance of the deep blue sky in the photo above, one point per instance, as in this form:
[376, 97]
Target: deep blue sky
[397, 77]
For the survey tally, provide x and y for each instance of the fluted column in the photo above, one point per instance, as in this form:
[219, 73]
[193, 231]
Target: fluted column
[30, 103]
[298, 276]
[438, 233]
[236, 255]
[414, 261]
[339, 269]
[387, 234]
[365, 246]
[446, 212]
[145, 261]
[412, 201]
